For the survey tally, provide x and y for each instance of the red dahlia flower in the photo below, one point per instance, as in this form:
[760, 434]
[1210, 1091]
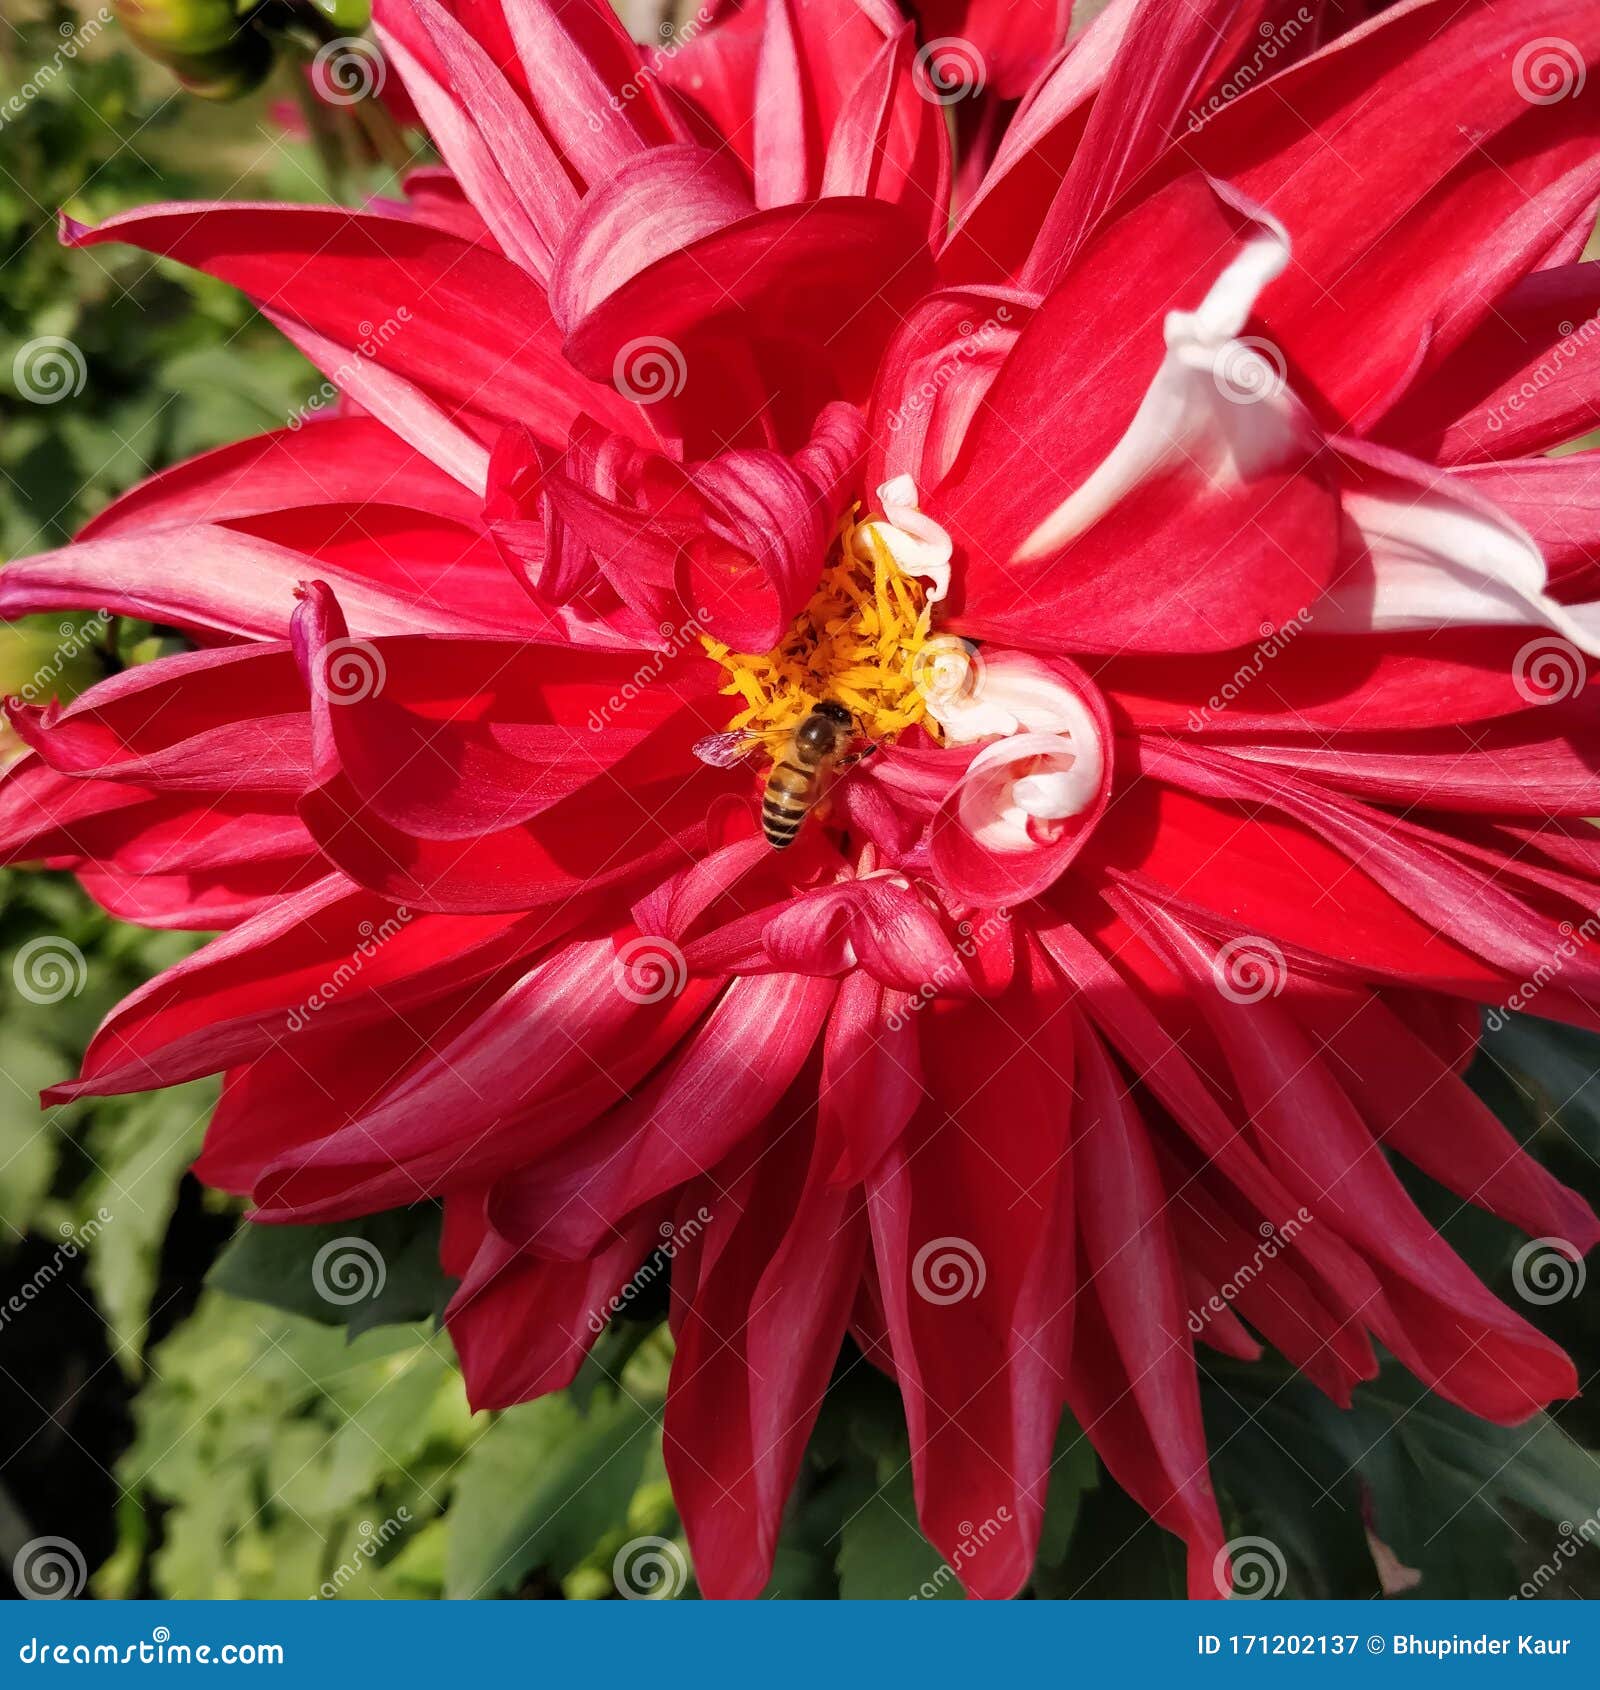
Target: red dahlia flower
[1171, 525]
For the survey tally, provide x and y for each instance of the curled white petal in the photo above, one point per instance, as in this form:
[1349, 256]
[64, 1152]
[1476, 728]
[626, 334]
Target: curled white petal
[914, 540]
[1025, 779]
[1191, 414]
[1432, 559]
[1011, 697]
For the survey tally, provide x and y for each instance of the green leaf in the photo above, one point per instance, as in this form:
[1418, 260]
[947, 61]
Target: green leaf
[141, 1152]
[883, 1555]
[1540, 1075]
[1441, 1484]
[1117, 1551]
[30, 1140]
[1074, 1471]
[380, 1270]
[542, 1487]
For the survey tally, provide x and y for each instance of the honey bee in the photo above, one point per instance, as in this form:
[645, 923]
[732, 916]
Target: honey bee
[801, 769]
[802, 761]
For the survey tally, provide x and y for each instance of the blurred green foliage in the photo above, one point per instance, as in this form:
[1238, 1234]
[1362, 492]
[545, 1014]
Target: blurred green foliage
[165, 362]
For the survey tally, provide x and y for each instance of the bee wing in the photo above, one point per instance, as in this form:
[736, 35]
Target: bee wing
[725, 750]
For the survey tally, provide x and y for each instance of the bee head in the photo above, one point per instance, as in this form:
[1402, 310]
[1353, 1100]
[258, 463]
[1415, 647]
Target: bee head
[835, 713]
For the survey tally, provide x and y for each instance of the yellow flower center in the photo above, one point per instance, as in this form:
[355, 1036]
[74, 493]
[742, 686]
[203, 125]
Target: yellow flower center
[857, 643]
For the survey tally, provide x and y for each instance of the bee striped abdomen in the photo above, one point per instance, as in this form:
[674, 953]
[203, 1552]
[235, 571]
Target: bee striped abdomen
[791, 791]
[796, 780]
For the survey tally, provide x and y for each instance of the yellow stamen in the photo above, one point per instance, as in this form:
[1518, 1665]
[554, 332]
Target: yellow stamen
[856, 642]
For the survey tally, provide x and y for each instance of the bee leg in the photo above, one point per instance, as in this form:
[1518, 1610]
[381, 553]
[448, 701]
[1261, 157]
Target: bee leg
[851, 758]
